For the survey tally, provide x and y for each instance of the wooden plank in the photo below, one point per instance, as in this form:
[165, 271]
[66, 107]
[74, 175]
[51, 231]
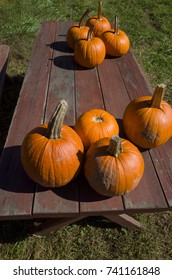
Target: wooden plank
[4, 53]
[61, 85]
[148, 195]
[125, 220]
[88, 91]
[132, 76]
[53, 224]
[16, 189]
[162, 160]
[59, 201]
[114, 93]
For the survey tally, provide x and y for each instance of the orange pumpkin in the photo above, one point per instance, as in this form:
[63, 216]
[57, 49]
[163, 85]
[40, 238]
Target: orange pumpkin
[147, 120]
[89, 52]
[77, 31]
[101, 23]
[113, 166]
[95, 124]
[116, 41]
[52, 153]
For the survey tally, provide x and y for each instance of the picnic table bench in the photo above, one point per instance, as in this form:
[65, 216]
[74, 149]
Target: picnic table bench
[4, 53]
[52, 75]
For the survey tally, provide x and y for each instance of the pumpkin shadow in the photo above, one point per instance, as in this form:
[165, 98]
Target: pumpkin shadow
[65, 62]
[12, 176]
[77, 190]
[61, 46]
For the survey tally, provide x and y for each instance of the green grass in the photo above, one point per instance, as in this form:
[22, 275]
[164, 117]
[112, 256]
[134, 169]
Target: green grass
[148, 25]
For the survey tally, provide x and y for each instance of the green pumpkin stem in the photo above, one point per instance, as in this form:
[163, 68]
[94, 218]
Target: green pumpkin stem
[81, 22]
[158, 96]
[90, 31]
[115, 146]
[99, 10]
[116, 29]
[56, 120]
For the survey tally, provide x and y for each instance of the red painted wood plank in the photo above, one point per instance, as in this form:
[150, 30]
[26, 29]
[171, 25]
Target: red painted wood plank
[162, 160]
[88, 91]
[16, 189]
[61, 84]
[148, 195]
[114, 93]
[133, 77]
[60, 201]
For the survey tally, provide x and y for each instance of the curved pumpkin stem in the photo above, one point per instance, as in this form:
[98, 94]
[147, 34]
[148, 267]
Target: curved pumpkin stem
[90, 31]
[81, 22]
[56, 120]
[99, 10]
[158, 96]
[115, 146]
[116, 25]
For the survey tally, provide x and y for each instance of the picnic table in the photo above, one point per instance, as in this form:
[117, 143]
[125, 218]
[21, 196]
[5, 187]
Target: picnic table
[52, 75]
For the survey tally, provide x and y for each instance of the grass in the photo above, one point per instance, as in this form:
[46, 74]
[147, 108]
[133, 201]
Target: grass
[149, 25]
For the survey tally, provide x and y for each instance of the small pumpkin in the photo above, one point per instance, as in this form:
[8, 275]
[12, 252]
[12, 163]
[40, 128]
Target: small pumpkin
[89, 52]
[101, 22]
[77, 31]
[116, 41]
[113, 166]
[52, 153]
[147, 120]
[95, 124]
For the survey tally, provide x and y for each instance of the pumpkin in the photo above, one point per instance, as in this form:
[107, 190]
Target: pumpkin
[95, 124]
[101, 22]
[52, 153]
[147, 120]
[77, 31]
[113, 166]
[116, 41]
[89, 52]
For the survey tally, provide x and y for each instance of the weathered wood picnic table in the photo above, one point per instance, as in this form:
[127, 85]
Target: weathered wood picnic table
[52, 75]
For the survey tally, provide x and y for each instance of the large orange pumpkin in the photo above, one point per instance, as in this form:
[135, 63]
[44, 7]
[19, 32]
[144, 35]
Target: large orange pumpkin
[52, 153]
[89, 52]
[95, 124]
[101, 22]
[77, 31]
[147, 120]
[116, 41]
[113, 166]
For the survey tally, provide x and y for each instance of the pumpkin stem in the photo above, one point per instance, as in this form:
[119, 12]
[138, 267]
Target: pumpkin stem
[116, 25]
[81, 22]
[99, 10]
[90, 31]
[56, 120]
[158, 96]
[115, 146]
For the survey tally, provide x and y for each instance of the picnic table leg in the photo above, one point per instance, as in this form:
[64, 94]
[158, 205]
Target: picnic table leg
[124, 220]
[54, 224]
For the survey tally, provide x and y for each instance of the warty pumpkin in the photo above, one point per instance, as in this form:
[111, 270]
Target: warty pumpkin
[95, 124]
[113, 166]
[77, 31]
[89, 52]
[52, 153]
[101, 22]
[116, 41]
[147, 120]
